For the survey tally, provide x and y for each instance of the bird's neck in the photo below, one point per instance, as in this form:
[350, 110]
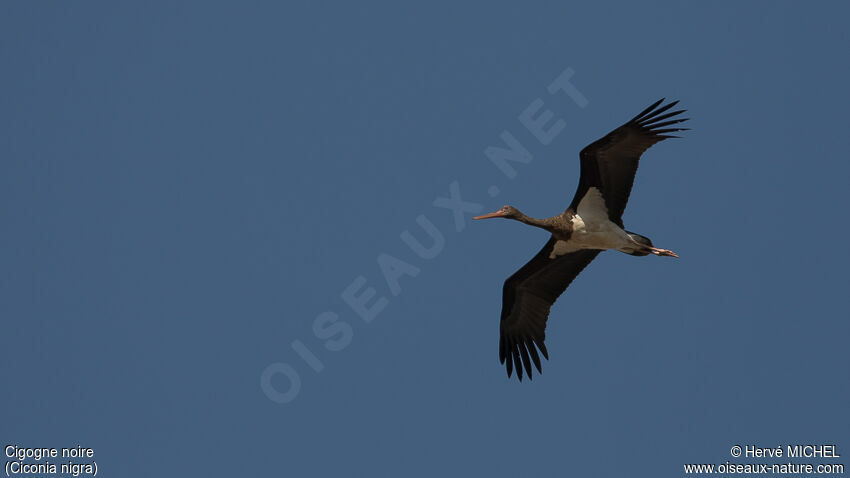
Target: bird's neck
[533, 221]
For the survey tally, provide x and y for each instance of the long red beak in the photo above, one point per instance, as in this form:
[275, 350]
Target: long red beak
[498, 213]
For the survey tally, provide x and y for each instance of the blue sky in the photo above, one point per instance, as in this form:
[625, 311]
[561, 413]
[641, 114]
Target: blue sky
[187, 189]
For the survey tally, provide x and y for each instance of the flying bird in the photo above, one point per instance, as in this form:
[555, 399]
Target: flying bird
[591, 224]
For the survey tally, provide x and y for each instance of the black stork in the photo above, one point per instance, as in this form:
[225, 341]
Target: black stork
[591, 224]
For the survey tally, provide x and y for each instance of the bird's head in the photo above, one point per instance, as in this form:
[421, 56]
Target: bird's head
[507, 212]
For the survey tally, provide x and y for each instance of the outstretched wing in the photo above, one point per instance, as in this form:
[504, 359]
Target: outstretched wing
[526, 299]
[610, 163]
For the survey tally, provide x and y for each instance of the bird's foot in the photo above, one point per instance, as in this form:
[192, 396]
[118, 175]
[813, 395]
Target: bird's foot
[663, 252]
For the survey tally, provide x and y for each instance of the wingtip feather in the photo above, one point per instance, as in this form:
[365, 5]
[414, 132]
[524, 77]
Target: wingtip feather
[668, 123]
[650, 121]
[526, 360]
[535, 357]
[542, 347]
[648, 109]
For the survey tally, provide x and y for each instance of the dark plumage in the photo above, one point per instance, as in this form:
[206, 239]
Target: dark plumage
[612, 161]
[592, 223]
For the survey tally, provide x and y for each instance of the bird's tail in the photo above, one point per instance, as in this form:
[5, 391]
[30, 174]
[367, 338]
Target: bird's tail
[643, 240]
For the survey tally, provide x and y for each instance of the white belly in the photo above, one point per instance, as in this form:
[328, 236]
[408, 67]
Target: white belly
[592, 229]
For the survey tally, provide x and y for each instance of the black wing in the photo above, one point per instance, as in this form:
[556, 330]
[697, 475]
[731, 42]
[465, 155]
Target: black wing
[526, 299]
[610, 163]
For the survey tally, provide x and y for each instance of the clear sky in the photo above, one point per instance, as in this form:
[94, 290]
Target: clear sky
[187, 189]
